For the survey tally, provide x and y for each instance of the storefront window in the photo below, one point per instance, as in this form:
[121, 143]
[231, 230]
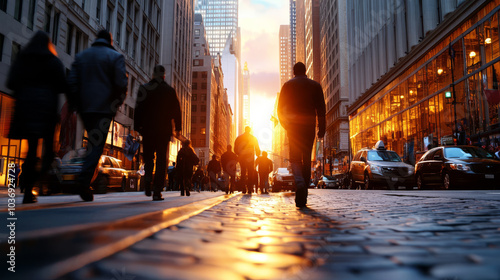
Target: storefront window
[458, 52]
[492, 94]
[472, 51]
[490, 34]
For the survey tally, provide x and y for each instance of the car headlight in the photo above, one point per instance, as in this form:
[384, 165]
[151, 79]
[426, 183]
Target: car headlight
[459, 166]
[411, 170]
[376, 169]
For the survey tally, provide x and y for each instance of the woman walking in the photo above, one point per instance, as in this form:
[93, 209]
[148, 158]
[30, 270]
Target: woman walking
[186, 159]
[36, 78]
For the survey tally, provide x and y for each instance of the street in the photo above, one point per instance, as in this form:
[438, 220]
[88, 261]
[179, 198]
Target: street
[344, 234]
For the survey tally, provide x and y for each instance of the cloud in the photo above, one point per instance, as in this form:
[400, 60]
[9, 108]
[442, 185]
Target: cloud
[264, 83]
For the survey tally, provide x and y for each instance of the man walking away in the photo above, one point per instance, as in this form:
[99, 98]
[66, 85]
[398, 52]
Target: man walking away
[301, 100]
[98, 82]
[186, 160]
[265, 166]
[157, 105]
[198, 178]
[245, 146]
[172, 178]
[229, 161]
[214, 169]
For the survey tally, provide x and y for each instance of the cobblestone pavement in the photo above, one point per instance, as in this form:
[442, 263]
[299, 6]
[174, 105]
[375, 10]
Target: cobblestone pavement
[344, 234]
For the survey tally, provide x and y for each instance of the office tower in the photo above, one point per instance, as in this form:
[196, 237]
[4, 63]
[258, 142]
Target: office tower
[284, 50]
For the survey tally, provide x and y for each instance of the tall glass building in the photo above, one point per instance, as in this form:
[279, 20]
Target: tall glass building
[221, 21]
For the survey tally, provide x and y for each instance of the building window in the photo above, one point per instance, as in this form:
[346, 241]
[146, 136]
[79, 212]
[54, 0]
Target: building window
[193, 108]
[118, 31]
[203, 108]
[78, 36]
[195, 86]
[193, 119]
[31, 14]
[98, 11]
[194, 97]
[48, 14]
[3, 5]
[69, 38]
[203, 119]
[55, 29]
[203, 131]
[195, 75]
[196, 32]
[204, 74]
[15, 50]
[108, 19]
[1, 45]
[127, 35]
[83, 4]
[193, 130]
[203, 85]
[18, 10]
[203, 97]
[197, 53]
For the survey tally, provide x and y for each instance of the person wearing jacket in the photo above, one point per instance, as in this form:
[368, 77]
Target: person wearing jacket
[197, 178]
[157, 106]
[246, 146]
[265, 167]
[186, 160]
[214, 169]
[36, 78]
[301, 101]
[228, 161]
[98, 81]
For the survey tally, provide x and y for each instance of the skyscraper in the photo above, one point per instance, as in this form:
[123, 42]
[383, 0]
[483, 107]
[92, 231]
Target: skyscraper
[285, 64]
[312, 40]
[293, 42]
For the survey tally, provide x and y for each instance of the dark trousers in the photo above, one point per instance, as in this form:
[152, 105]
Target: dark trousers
[29, 174]
[247, 174]
[263, 181]
[97, 126]
[301, 144]
[152, 144]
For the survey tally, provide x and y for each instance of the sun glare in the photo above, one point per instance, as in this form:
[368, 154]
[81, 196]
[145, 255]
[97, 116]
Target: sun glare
[261, 110]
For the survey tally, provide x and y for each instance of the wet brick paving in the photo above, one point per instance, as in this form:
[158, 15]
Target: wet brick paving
[343, 235]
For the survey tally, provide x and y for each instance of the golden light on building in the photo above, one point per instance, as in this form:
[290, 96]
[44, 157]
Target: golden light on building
[487, 40]
[440, 71]
[472, 54]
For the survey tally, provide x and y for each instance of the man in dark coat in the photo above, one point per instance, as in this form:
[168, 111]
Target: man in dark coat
[228, 161]
[265, 167]
[98, 80]
[157, 106]
[301, 100]
[246, 146]
[213, 169]
[186, 160]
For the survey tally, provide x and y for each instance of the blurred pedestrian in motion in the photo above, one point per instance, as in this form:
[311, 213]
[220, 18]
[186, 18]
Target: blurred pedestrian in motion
[265, 167]
[301, 101]
[98, 81]
[172, 178]
[157, 106]
[213, 169]
[198, 178]
[246, 146]
[36, 78]
[228, 161]
[186, 160]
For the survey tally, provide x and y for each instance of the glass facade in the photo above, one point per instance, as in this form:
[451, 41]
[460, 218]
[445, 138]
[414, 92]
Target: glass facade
[417, 108]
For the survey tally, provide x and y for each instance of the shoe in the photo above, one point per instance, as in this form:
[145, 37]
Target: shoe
[147, 190]
[182, 194]
[86, 194]
[188, 193]
[29, 198]
[157, 197]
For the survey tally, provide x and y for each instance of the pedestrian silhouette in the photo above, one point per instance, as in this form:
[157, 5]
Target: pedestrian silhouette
[157, 106]
[246, 146]
[186, 160]
[214, 169]
[228, 161]
[265, 167]
[198, 178]
[98, 81]
[172, 178]
[36, 78]
[301, 100]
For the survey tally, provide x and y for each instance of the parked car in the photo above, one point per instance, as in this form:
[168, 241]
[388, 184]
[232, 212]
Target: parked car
[379, 166]
[283, 180]
[458, 166]
[109, 174]
[329, 182]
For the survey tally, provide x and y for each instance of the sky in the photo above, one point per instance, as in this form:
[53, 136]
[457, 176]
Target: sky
[260, 21]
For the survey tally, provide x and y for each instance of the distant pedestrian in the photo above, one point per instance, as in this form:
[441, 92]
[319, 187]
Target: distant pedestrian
[214, 170]
[98, 81]
[157, 106]
[36, 78]
[198, 178]
[301, 100]
[246, 146]
[265, 167]
[186, 160]
[228, 161]
[172, 178]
